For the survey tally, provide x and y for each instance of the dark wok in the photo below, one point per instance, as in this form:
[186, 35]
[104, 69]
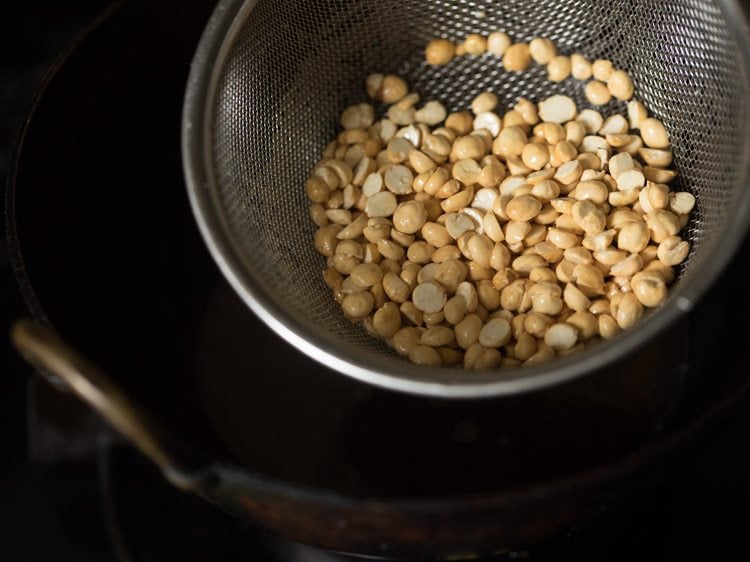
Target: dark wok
[106, 252]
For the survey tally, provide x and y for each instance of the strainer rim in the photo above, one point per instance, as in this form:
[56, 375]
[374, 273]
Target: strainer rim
[202, 85]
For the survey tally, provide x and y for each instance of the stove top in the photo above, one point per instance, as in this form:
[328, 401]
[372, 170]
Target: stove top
[72, 490]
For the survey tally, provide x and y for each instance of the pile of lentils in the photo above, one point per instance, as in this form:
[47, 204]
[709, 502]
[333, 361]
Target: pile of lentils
[485, 238]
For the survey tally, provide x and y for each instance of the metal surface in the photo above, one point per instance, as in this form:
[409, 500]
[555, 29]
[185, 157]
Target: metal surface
[45, 351]
[267, 86]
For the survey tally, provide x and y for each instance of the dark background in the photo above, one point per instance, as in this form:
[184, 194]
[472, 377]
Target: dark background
[703, 511]
[32, 34]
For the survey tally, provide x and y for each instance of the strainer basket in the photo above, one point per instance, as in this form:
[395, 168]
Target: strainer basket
[270, 79]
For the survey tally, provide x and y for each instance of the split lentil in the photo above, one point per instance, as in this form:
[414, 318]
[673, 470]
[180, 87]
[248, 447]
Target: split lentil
[498, 237]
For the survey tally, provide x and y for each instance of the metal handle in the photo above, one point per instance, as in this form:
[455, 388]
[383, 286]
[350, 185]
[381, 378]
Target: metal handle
[43, 349]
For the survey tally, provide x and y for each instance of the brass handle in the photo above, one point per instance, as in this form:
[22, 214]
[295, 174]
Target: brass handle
[44, 350]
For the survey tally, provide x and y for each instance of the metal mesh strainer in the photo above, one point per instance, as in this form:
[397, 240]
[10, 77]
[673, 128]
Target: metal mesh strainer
[270, 79]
